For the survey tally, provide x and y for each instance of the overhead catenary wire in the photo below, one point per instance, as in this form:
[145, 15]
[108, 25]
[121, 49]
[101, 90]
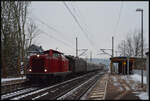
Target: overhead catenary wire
[80, 16]
[52, 28]
[78, 23]
[79, 13]
[66, 44]
[73, 7]
[74, 17]
[61, 42]
[119, 16]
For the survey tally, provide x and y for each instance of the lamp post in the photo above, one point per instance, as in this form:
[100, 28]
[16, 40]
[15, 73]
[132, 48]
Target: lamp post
[141, 10]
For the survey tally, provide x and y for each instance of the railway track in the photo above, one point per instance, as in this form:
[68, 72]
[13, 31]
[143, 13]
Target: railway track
[20, 88]
[17, 93]
[99, 91]
[50, 92]
[78, 92]
[12, 86]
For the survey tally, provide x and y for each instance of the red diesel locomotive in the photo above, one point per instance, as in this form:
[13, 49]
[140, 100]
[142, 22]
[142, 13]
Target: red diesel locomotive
[47, 65]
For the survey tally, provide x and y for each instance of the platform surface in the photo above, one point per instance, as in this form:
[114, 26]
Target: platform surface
[116, 87]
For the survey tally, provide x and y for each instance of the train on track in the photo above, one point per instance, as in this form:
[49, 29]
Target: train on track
[52, 64]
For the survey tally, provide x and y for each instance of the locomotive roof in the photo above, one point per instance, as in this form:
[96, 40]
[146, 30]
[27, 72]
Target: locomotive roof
[54, 51]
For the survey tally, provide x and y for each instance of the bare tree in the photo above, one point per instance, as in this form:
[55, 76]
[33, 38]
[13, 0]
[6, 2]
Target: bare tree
[13, 20]
[132, 45]
[129, 46]
[137, 44]
[7, 34]
[32, 32]
[122, 47]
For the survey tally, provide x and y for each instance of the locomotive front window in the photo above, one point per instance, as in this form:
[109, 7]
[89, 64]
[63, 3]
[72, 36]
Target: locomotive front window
[56, 55]
[46, 52]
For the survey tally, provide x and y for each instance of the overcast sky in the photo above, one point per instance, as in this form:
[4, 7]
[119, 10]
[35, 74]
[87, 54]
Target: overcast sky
[99, 22]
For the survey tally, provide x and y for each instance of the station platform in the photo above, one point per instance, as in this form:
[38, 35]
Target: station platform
[114, 87]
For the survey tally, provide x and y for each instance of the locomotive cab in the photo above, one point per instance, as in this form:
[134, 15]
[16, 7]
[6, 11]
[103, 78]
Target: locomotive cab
[48, 64]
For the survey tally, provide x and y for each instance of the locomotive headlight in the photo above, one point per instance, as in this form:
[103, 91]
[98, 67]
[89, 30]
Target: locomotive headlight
[45, 70]
[30, 70]
[38, 55]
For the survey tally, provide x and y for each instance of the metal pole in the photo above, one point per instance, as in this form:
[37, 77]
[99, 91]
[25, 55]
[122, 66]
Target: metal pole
[147, 69]
[124, 47]
[142, 43]
[142, 31]
[124, 67]
[112, 53]
[112, 46]
[141, 10]
[76, 47]
[91, 56]
[128, 70]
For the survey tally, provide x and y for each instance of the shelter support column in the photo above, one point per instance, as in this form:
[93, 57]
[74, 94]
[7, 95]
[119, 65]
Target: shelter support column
[111, 67]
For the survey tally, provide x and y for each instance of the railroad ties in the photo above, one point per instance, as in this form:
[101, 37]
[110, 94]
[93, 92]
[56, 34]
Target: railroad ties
[99, 90]
[13, 85]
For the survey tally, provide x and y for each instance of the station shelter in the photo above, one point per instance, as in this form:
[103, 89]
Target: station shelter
[125, 65]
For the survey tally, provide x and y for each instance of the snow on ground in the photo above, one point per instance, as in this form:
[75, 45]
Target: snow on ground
[143, 95]
[114, 79]
[11, 79]
[136, 78]
[116, 84]
[139, 72]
